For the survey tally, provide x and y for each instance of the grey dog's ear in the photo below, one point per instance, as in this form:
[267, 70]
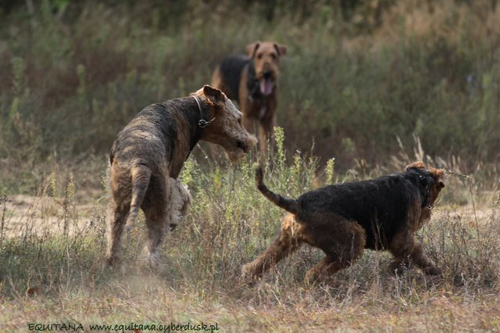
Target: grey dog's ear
[213, 94]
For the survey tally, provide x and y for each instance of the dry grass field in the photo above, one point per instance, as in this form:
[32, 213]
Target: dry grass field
[52, 251]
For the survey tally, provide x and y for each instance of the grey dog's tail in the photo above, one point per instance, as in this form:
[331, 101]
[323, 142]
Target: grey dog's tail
[141, 175]
[287, 204]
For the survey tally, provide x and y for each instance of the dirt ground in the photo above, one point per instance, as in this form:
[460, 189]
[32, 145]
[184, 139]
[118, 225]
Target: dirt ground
[20, 212]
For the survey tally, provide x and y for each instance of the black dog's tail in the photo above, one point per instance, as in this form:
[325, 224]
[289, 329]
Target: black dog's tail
[287, 204]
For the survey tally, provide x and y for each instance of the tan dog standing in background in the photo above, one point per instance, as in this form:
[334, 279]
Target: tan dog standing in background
[252, 80]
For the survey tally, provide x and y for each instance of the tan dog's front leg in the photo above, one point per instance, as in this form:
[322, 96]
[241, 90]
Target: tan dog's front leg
[266, 135]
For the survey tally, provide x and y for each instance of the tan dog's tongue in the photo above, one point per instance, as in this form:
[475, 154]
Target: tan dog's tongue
[266, 87]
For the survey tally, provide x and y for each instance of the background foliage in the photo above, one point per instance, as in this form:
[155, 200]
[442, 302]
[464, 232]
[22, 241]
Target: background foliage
[358, 74]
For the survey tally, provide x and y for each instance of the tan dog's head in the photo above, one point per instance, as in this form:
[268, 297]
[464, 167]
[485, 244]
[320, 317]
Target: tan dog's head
[432, 182]
[226, 128]
[266, 56]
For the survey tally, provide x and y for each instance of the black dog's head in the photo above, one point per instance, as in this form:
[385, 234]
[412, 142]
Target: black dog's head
[430, 183]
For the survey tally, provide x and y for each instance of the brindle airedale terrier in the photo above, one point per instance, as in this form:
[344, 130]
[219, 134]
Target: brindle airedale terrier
[253, 81]
[148, 154]
[343, 220]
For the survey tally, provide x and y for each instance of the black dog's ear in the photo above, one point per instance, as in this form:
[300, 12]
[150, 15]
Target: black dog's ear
[416, 165]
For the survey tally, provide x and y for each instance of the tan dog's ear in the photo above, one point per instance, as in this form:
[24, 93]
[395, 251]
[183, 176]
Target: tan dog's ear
[214, 94]
[281, 49]
[416, 165]
[252, 49]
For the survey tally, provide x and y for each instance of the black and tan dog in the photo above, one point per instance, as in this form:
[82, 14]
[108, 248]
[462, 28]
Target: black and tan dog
[252, 80]
[148, 154]
[343, 220]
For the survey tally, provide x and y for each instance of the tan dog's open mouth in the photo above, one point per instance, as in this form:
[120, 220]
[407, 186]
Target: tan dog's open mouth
[266, 86]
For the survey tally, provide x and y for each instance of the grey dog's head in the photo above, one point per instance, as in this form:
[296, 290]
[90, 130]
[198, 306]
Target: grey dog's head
[226, 129]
